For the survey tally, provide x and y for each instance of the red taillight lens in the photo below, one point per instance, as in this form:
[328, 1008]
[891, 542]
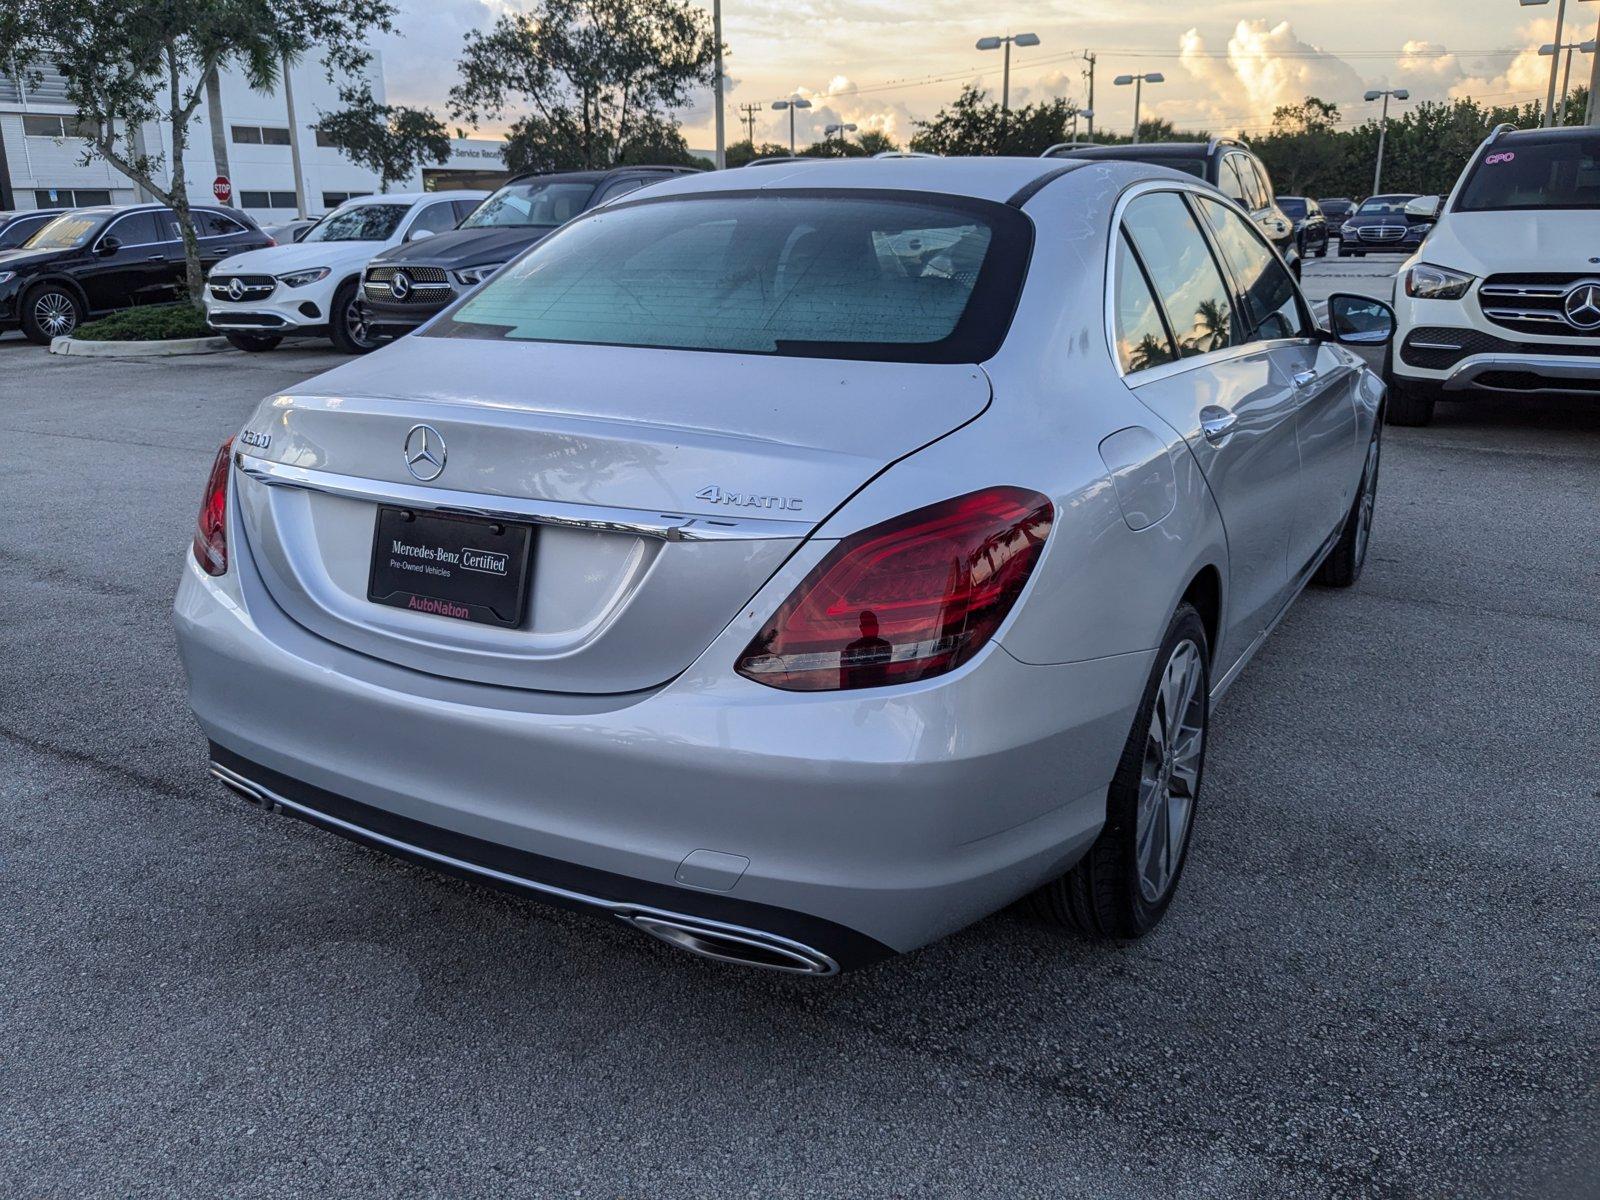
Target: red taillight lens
[910, 598]
[211, 529]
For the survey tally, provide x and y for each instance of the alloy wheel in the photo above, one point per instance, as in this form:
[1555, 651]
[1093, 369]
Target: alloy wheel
[55, 313]
[1170, 779]
[356, 325]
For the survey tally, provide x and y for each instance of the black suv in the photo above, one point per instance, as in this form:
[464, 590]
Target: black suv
[95, 260]
[1337, 210]
[1228, 164]
[17, 227]
[1310, 226]
[403, 287]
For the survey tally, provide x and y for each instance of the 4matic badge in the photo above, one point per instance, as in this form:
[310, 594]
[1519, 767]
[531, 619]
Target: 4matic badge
[720, 495]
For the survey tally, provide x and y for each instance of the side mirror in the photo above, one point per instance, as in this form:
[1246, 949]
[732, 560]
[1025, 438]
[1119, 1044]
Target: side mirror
[1425, 208]
[107, 246]
[1360, 320]
[416, 235]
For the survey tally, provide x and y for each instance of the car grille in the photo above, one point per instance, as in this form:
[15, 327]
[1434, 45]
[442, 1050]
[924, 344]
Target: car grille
[1435, 348]
[428, 284]
[1381, 233]
[1534, 302]
[251, 287]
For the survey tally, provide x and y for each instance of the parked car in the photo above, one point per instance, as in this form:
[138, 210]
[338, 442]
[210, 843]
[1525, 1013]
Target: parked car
[91, 261]
[1310, 226]
[1336, 211]
[1222, 162]
[797, 573]
[406, 285]
[1380, 225]
[309, 288]
[286, 233]
[18, 226]
[1504, 298]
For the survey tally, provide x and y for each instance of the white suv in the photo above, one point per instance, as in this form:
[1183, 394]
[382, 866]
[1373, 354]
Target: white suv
[310, 287]
[1504, 296]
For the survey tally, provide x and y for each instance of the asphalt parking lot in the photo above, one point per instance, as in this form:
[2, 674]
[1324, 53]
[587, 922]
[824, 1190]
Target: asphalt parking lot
[1380, 977]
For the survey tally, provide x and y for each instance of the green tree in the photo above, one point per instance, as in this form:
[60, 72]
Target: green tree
[391, 141]
[875, 141]
[592, 74]
[740, 153]
[128, 62]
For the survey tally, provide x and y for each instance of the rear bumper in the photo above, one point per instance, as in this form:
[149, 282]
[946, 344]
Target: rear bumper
[855, 824]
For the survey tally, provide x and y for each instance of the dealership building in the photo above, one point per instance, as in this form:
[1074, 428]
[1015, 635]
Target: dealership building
[256, 148]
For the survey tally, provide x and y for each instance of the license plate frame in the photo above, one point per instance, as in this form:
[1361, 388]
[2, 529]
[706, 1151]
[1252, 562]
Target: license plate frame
[462, 568]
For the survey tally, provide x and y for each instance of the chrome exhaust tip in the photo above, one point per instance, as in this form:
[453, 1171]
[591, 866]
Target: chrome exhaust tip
[243, 788]
[731, 944]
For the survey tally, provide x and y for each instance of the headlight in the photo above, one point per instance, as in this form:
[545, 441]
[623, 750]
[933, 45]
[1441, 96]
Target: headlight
[1347, 230]
[7, 276]
[472, 276]
[1427, 282]
[1420, 229]
[301, 278]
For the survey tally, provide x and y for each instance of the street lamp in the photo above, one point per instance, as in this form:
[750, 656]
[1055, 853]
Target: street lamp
[1550, 94]
[1383, 127]
[996, 43]
[1075, 112]
[792, 103]
[1138, 82]
[1551, 50]
[841, 129]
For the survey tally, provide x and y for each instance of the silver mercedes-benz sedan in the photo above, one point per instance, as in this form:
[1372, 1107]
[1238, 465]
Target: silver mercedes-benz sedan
[797, 566]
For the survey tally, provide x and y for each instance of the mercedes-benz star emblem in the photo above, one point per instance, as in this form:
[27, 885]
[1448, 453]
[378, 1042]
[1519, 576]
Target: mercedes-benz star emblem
[236, 289]
[425, 453]
[1582, 306]
[400, 285]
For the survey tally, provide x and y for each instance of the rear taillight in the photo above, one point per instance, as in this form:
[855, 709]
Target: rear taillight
[910, 598]
[211, 528]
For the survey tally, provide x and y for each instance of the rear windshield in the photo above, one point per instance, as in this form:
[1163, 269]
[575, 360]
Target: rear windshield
[1292, 206]
[815, 275]
[359, 223]
[1528, 173]
[541, 205]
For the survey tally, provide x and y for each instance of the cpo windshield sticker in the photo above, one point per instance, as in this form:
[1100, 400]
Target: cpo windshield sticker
[1503, 156]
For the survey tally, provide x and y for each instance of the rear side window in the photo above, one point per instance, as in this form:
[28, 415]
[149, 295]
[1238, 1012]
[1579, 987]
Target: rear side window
[1271, 302]
[1184, 273]
[1561, 172]
[839, 274]
[136, 229]
[1142, 338]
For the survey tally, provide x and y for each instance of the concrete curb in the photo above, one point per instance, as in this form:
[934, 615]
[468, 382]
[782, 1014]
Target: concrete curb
[162, 349]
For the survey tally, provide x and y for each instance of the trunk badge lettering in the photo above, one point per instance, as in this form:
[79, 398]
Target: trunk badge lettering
[714, 494]
[259, 440]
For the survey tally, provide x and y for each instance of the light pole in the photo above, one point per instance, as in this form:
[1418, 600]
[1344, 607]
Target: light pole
[1593, 116]
[1552, 51]
[1087, 114]
[716, 85]
[841, 129]
[996, 43]
[792, 103]
[1383, 128]
[1138, 82]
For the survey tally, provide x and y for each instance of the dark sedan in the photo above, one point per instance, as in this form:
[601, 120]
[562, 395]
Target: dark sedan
[96, 260]
[1380, 226]
[1310, 226]
[1336, 210]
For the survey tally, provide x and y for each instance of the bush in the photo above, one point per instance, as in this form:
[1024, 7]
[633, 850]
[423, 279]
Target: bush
[151, 323]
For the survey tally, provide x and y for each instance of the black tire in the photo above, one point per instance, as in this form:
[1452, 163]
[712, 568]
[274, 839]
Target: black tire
[347, 323]
[1322, 250]
[1343, 565]
[1344, 251]
[50, 310]
[1102, 896]
[253, 343]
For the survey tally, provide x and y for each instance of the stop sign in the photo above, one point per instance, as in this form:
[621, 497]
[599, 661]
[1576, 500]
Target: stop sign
[222, 189]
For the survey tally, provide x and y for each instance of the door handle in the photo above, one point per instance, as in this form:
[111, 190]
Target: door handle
[155, 258]
[1304, 379]
[1217, 424]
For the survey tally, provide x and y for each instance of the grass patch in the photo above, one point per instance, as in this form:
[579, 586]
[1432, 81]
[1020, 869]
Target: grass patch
[148, 323]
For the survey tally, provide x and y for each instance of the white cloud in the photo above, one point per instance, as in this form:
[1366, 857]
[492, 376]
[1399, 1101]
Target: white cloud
[1265, 66]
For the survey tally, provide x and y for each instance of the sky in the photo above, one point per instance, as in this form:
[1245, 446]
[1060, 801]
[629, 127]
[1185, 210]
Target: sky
[881, 64]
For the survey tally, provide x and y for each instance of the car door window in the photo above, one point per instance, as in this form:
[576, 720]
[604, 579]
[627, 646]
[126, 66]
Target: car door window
[1182, 271]
[1230, 183]
[21, 230]
[1142, 337]
[1271, 302]
[464, 209]
[436, 218]
[1255, 183]
[136, 229]
[621, 188]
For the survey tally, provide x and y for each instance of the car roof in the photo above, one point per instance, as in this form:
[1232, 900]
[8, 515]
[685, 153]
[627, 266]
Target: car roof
[1559, 133]
[595, 176]
[412, 197]
[1145, 150]
[996, 179]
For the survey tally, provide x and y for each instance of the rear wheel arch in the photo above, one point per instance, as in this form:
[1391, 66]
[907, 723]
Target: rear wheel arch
[1205, 594]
